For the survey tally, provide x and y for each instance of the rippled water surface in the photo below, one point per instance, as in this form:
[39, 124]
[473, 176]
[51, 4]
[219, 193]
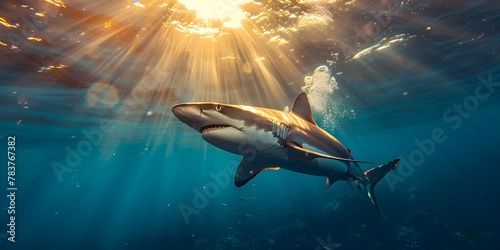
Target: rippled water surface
[87, 87]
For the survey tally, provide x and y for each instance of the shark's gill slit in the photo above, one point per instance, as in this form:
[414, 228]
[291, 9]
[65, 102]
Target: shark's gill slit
[280, 131]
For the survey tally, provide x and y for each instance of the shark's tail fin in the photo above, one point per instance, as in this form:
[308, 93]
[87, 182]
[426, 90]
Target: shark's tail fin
[376, 174]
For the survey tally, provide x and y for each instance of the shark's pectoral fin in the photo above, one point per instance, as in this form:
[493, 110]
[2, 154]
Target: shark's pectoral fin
[248, 169]
[308, 152]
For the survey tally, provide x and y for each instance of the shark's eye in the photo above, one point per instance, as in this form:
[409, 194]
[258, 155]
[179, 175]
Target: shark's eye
[218, 107]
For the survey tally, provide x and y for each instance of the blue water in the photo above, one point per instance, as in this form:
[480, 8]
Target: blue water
[101, 167]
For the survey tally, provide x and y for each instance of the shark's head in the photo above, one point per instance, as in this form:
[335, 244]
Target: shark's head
[219, 124]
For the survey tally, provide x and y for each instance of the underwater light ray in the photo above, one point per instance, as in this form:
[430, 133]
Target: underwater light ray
[238, 66]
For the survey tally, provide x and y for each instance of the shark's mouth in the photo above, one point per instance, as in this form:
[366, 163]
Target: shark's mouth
[214, 127]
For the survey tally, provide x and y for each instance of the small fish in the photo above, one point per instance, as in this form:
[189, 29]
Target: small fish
[241, 198]
[249, 215]
[224, 204]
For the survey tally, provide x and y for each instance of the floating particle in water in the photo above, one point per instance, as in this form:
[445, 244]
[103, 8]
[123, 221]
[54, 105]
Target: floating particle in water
[102, 95]
[56, 213]
[138, 4]
[224, 205]
[19, 122]
[31, 38]
[428, 28]
[405, 93]
[247, 68]
[149, 113]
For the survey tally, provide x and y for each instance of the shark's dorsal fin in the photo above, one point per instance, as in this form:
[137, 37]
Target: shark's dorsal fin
[248, 169]
[302, 108]
[317, 154]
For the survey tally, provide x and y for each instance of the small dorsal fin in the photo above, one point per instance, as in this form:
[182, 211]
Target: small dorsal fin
[302, 108]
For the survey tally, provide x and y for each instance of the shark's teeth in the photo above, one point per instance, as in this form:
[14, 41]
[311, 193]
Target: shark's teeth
[213, 127]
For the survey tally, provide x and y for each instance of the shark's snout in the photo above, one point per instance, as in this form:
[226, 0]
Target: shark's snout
[188, 114]
[184, 111]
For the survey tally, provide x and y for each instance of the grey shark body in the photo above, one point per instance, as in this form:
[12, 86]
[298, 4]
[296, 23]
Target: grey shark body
[270, 139]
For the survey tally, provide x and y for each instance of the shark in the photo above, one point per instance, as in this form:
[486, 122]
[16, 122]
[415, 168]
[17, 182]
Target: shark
[270, 139]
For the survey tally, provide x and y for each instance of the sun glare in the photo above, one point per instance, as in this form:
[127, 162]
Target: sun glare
[227, 11]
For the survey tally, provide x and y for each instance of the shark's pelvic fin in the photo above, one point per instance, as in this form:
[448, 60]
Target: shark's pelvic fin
[317, 154]
[330, 180]
[302, 108]
[353, 180]
[248, 169]
[376, 174]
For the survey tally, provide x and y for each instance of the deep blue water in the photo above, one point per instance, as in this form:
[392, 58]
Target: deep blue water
[145, 180]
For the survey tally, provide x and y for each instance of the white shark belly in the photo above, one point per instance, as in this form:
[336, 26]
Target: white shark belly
[316, 167]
